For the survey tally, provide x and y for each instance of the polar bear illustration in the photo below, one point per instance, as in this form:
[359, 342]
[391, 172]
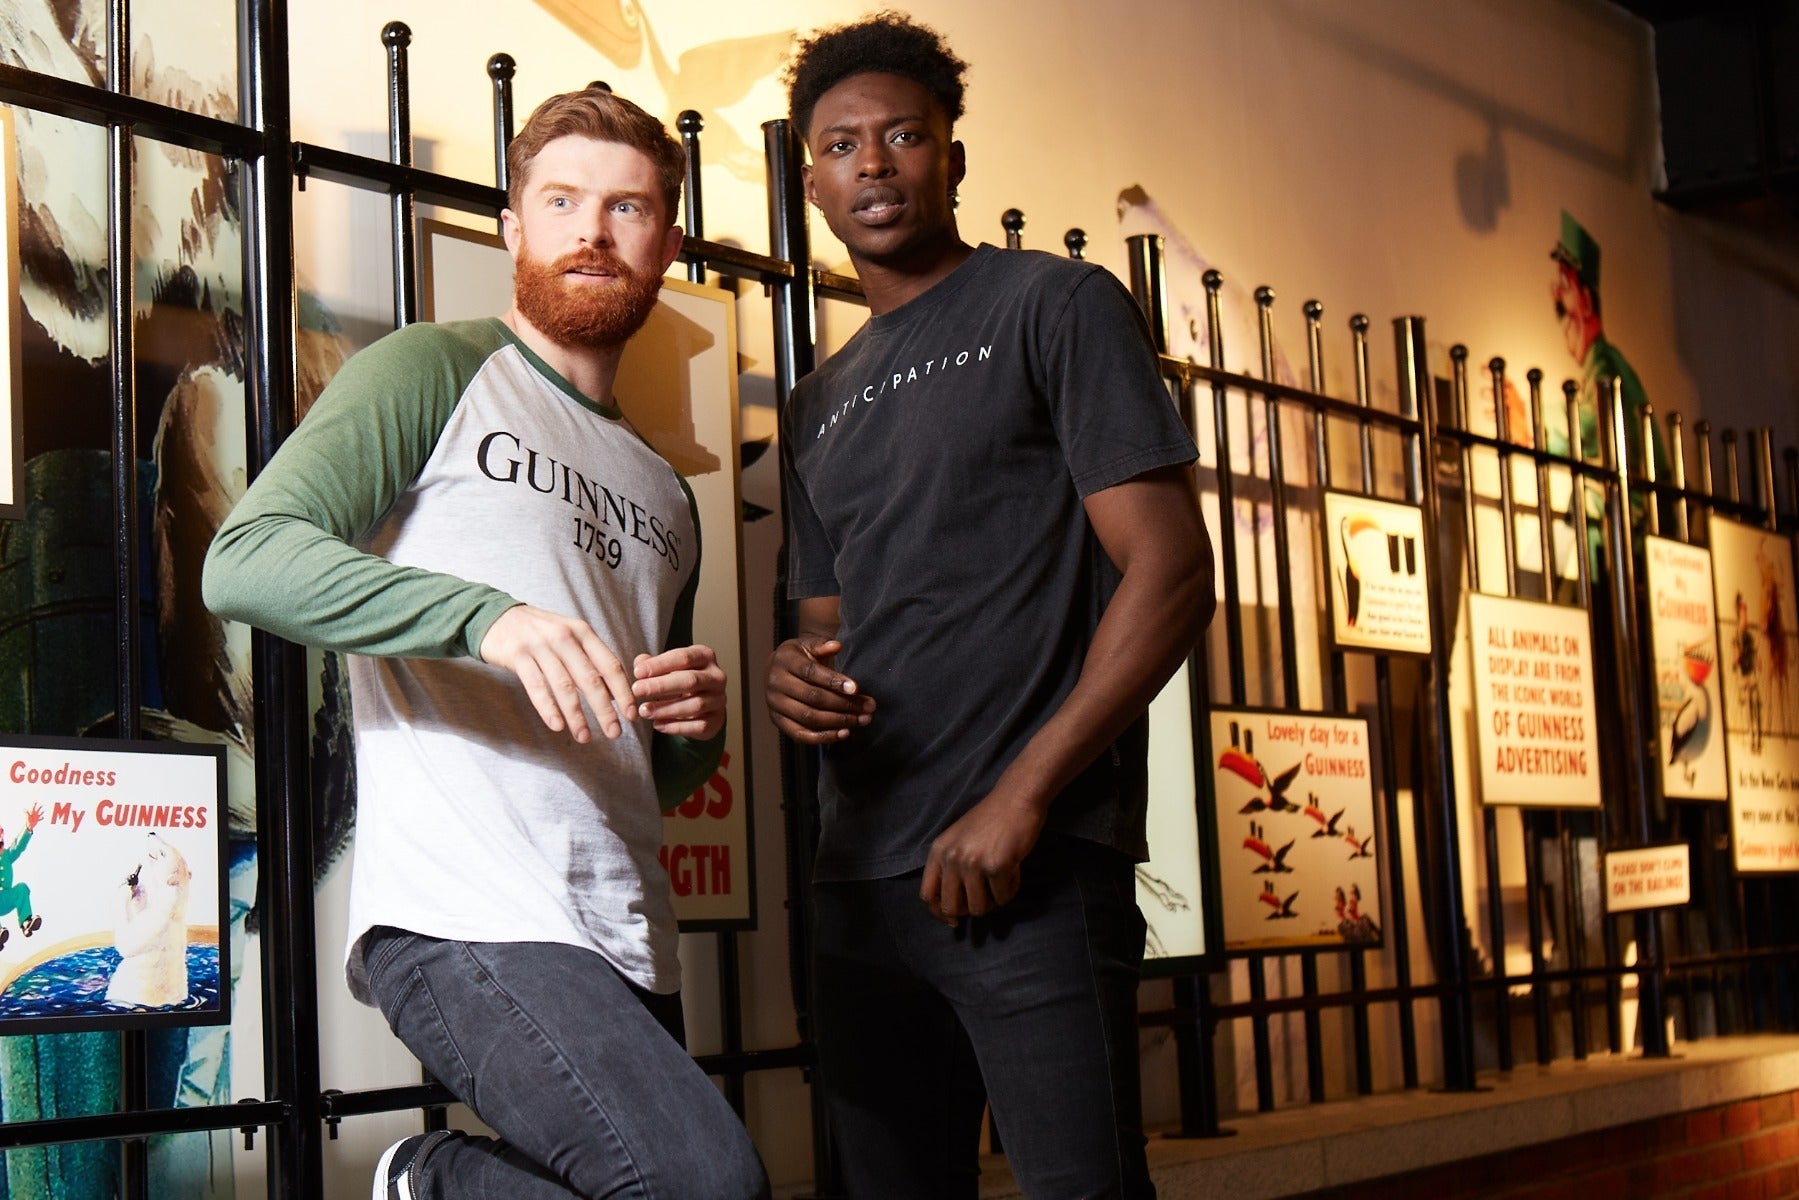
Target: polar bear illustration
[152, 932]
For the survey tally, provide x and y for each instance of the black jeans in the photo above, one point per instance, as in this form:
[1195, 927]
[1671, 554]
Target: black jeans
[1033, 1008]
[579, 1072]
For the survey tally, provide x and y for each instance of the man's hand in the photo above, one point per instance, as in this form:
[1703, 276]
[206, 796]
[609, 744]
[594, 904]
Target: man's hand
[808, 700]
[976, 865]
[561, 661]
[681, 692]
[33, 817]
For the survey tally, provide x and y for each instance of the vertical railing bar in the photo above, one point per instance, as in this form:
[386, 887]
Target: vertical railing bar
[1264, 1050]
[1545, 514]
[1284, 614]
[1339, 701]
[1677, 465]
[1628, 648]
[1574, 917]
[795, 351]
[1277, 491]
[1458, 371]
[1195, 1067]
[1577, 511]
[1499, 984]
[690, 123]
[396, 36]
[284, 824]
[1533, 867]
[1764, 444]
[1732, 484]
[1314, 317]
[1507, 509]
[121, 266]
[1012, 221]
[500, 70]
[1397, 924]
[1358, 335]
[1702, 437]
[1577, 516]
[1227, 503]
[1435, 797]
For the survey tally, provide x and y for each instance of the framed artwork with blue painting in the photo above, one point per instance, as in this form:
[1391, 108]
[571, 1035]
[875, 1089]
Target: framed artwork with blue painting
[112, 885]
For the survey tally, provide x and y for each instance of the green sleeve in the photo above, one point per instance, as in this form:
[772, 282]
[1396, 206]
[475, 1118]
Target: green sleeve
[682, 764]
[285, 560]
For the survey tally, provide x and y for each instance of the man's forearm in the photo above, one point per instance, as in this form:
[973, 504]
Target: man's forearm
[1148, 629]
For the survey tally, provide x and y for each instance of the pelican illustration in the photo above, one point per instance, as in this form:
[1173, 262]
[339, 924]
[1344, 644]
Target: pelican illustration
[1691, 729]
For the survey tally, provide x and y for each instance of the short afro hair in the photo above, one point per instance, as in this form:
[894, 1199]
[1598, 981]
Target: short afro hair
[889, 42]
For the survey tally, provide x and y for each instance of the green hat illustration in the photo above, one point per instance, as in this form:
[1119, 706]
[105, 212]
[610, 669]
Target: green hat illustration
[1579, 252]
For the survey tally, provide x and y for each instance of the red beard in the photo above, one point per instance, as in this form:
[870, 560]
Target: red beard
[595, 315]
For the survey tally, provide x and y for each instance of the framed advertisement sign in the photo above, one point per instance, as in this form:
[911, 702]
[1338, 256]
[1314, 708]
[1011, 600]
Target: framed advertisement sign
[1683, 633]
[12, 330]
[1374, 559]
[1648, 877]
[112, 885]
[1758, 632]
[1177, 887]
[1294, 819]
[1533, 703]
[678, 385]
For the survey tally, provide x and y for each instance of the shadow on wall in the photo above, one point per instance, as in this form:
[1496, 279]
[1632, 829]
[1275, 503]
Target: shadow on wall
[1734, 281]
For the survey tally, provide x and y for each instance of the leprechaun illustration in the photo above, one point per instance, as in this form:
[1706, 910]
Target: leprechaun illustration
[16, 897]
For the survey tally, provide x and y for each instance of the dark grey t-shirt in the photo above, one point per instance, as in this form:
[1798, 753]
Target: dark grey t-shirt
[936, 469]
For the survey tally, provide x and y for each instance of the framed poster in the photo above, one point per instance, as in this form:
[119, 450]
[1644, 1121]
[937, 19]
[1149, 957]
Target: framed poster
[1294, 814]
[112, 885]
[1752, 578]
[12, 329]
[1648, 877]
[1176, 889]
[1683, 635]
[1374, 560]
[1533, 703]
[678, 385]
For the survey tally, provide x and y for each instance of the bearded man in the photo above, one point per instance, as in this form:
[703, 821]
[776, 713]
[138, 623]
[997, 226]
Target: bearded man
[469, 515]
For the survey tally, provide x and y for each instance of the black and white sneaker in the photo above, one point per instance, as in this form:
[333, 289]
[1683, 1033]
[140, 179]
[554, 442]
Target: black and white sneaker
[397, 1174]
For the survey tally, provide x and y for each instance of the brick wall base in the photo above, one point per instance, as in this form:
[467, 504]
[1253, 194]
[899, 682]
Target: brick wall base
[1743, 1151]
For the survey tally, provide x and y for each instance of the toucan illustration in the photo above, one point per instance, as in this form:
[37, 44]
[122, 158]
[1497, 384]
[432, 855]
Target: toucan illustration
[1243, 764]
[1283, 909]
[1276, 863]
[1349, 527]
[1361, 844]
[1329, 823]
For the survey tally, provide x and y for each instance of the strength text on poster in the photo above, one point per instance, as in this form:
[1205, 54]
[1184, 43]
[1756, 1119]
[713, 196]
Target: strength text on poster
[1753, 573]
[1294, 806]
[112, 885]
[1533, 703]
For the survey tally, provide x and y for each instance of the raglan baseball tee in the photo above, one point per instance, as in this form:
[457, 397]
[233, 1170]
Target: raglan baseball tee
[445, 475]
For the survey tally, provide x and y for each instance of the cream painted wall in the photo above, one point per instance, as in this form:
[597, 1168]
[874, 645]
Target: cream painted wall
[1389, 157]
